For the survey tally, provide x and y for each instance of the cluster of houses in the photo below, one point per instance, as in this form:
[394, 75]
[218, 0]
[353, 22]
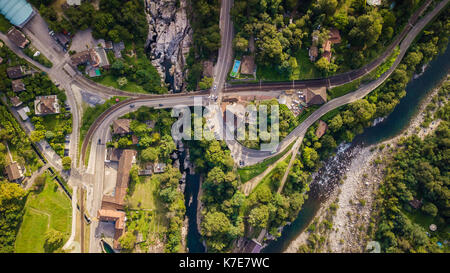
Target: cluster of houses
[334, 37]
[96, 58]
[112, 209]
[43, 105]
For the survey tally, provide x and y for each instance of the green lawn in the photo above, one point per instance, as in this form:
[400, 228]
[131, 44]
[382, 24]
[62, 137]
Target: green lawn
[248, 172]
[305, 70]
[50, 208]
[110, 80]
[146, 213]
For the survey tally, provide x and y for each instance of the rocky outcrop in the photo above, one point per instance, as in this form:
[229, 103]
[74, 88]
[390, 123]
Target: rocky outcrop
[169, 39]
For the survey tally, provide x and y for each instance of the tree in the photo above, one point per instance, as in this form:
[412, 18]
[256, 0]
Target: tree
[67, 163]
[259, 216]
[166, 146]
[205, 83]
[215, 224]
[336, 123]
[12, 202]
[150, 154]
[127, 241]
[430, 209]
[53, 240]
[367, 30]
[37, 136]
[325, 66]
[240, 44]
[328, 6]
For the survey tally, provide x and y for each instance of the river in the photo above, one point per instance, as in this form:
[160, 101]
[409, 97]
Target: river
[391, 126]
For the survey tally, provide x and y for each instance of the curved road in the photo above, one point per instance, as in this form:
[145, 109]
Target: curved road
[251, 156]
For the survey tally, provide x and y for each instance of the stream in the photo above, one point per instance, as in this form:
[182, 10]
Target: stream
[334, 168]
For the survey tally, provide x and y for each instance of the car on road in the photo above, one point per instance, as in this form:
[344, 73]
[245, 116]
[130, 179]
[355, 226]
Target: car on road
[161, 104]
[215, 87]
[99, 141]
[132, 105]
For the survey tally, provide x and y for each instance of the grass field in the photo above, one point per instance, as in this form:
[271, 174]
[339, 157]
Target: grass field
[248, 172]
[50, 208]
[304, 71]
[110, 80]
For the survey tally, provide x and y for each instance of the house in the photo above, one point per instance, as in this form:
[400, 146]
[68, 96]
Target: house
[246, 245]
[116, 216]
[14, 172]
[23, 112]
[147, 170]
[46, 105]
[109, 45]
[121, 126]
[73, 2]
[85, 57]
[102, 58]
[334, 37]
[321, 129]
[17, 37]
[15, 101]
[327, 50]
[15, 72]
[316, 96]
[113, 154]
[118, 47]
[117, 201]
[159, 167]
[415, 203]
[248, 65]
[18, 85]
[313, 53]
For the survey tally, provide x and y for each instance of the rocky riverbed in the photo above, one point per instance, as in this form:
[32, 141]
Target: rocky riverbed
[169, 39]
[350, 180]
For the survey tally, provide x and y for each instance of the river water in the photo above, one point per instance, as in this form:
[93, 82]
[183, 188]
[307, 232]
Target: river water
[393, 125]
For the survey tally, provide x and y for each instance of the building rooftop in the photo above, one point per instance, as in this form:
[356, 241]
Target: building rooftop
[23, 112]
[321, 129]
[316, 95]
[17, 37]
[15, 101]
[17, 85]
[123, 177]
[45, 105]
[121, 126]
[13, 171]
[15, 72]
[18, 12]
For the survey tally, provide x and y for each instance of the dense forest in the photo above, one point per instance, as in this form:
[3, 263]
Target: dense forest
[282, 30]
[419, 171]
[116, 20]
[204, 18]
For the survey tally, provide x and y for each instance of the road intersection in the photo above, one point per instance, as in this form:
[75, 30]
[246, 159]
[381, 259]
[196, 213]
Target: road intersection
[92, 176]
